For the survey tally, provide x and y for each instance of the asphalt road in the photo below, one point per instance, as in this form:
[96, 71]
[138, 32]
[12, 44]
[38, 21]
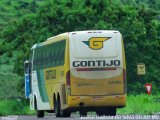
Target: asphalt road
[33, 117]
[89, 117]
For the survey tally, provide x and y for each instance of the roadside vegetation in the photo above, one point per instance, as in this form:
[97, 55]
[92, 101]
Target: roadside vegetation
[15, 107]
[142, 104]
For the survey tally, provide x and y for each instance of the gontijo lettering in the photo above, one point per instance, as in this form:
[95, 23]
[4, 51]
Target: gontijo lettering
[96, 63]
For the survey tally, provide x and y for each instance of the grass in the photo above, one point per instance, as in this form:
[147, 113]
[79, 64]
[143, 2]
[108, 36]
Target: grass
[141, 104]
[136, 104]
[14, 107]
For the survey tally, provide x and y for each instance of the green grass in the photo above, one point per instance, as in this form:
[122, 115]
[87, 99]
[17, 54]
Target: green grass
[14, 107]
[141, 104]
[136, 104]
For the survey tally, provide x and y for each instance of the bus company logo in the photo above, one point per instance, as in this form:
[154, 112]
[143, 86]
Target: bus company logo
[96, 43]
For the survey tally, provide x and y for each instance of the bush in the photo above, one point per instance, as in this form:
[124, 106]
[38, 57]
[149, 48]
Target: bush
[8, 82]
[15, 107]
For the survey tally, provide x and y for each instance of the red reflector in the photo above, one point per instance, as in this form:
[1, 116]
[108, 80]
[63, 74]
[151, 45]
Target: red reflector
[96, 69]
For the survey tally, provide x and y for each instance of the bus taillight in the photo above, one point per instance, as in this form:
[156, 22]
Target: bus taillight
[68, 78]
[68, 82]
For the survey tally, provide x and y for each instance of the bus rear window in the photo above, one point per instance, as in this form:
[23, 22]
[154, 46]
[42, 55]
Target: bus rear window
[92, 46]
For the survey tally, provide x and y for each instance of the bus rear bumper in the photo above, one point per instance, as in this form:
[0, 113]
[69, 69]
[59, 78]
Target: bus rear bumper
[96, 101]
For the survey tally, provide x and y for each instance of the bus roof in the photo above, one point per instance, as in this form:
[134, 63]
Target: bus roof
[93, 31]
[53, 39]
[49, 40]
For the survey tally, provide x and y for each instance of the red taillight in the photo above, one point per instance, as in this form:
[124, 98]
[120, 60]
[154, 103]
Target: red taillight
[68, 82]
[68, 78]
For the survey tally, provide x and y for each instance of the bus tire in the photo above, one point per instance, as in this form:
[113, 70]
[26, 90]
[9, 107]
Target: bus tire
[39, 113]
[112, 111]
[101, 111]
[65, 113]
[57, 107]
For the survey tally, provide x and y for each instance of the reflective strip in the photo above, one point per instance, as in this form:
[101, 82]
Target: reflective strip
[96, 69]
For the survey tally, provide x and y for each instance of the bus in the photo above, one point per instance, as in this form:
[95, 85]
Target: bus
[77, 71]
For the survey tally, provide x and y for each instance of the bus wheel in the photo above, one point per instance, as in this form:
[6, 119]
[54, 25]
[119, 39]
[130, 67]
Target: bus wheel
[57, 108]
[112, 111]
[82, 113]
[65, 113]
[40, 113]
[99, 113]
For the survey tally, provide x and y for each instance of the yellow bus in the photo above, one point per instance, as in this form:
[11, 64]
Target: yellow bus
[77, 71]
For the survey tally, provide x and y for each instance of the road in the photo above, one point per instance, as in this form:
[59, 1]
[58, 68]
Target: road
[89, 117]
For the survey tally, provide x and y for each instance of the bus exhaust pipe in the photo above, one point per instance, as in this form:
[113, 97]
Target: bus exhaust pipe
[81, 104]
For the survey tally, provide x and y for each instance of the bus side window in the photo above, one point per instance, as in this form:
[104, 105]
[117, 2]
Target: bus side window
[39, 62]
[62, 52]
[52, 57]
[42, 58]
[35, 61]
[62, 55]
[57, 56]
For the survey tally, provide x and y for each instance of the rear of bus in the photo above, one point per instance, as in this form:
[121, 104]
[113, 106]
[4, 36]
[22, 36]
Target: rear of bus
[97, 76]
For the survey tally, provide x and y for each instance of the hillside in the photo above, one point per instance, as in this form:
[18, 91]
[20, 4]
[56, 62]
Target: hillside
[10, 10]
[137, 21]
